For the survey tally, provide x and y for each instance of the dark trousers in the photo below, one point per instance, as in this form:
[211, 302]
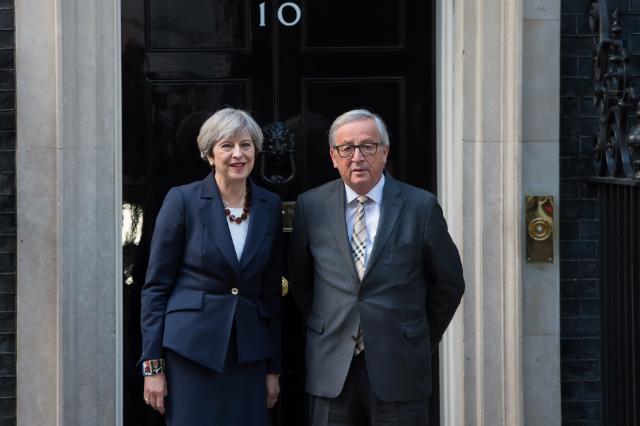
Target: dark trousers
[357, 405]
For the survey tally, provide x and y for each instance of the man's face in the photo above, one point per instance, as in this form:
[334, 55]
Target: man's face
[359, 172]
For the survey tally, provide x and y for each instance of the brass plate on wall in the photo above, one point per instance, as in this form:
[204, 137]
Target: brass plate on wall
[287, 215]
[539, 210]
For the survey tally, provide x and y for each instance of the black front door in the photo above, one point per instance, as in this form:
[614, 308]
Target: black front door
[300, 63]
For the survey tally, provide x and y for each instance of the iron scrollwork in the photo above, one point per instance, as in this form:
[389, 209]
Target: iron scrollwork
[278, 164]
[616, 150]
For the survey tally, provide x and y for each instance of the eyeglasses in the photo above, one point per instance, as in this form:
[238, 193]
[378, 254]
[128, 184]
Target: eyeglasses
[366, 149]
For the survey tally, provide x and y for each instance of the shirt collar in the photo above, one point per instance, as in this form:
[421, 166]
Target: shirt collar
[375, 194]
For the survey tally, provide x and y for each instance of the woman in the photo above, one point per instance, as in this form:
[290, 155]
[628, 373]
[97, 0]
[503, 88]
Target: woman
[211, 300]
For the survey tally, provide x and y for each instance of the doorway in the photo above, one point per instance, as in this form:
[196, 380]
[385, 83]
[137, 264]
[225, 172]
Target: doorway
[298, 63]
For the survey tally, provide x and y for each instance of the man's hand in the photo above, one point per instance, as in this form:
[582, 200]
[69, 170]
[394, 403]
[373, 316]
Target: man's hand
[273, 389]
[155, 389]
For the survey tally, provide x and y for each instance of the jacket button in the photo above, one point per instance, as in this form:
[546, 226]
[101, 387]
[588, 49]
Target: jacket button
[234, 291]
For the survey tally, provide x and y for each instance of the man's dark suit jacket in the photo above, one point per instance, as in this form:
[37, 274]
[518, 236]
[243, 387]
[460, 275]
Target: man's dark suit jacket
[412, 286]
[196, 289]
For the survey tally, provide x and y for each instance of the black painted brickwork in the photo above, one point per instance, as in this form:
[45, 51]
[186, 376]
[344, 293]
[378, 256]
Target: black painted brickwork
[7, 216]
[579, 295]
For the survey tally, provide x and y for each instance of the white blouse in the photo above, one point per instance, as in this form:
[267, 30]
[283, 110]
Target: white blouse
[238, 232]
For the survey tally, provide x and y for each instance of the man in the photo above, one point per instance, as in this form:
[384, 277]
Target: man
[377, 278]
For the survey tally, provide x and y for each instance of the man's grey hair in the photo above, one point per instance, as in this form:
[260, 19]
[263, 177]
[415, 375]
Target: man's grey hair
[224, 125]
[356, 115]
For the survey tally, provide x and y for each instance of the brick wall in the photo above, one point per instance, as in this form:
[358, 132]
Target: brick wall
[579, 284]
[7, 216]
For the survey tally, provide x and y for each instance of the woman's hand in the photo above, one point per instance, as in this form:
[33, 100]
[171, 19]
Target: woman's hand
[273, 389]
[155, 389]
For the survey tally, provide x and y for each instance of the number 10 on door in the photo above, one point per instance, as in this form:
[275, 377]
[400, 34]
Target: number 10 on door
[287, 22]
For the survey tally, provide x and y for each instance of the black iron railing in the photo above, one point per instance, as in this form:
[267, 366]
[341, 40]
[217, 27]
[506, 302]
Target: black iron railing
[616, 150]
[616, 161]
[620, 298]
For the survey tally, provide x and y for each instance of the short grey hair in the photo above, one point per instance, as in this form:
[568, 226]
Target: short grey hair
[356, 115]
[224, 125]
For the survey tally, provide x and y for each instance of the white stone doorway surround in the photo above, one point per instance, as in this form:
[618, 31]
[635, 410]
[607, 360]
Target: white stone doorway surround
[498, 88]
[69, 210]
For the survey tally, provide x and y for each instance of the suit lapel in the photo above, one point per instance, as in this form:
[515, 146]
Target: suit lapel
[336, 214]
[259, 218]
[215, 222]
[389, 212]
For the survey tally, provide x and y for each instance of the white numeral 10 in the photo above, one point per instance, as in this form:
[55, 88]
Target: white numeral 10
[284, 22]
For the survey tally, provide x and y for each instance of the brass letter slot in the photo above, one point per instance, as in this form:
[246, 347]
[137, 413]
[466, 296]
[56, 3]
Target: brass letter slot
[287, 215]
[539, 228]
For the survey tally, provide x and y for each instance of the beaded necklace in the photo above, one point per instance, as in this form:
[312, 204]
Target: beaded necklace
[245, 210]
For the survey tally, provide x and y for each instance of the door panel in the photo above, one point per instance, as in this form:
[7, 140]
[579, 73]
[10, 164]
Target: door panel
[199, 25]
[335, 25]
[184, 60]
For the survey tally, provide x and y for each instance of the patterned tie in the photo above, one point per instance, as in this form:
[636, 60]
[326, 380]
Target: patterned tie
[358, 250]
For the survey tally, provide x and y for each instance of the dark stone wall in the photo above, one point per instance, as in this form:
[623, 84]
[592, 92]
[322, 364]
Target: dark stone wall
[7, 216]
[579, 268]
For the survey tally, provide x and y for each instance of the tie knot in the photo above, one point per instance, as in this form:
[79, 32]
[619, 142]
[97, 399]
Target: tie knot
[362, 199]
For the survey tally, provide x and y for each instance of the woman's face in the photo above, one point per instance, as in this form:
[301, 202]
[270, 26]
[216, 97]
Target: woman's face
[233, 158]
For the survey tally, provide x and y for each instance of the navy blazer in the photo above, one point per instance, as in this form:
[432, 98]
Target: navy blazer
[196, 290]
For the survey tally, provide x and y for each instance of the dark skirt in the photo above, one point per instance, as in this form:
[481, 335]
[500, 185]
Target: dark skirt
[202, 397]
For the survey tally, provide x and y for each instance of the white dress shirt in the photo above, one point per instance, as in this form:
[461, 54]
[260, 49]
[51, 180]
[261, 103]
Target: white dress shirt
[371, 213]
